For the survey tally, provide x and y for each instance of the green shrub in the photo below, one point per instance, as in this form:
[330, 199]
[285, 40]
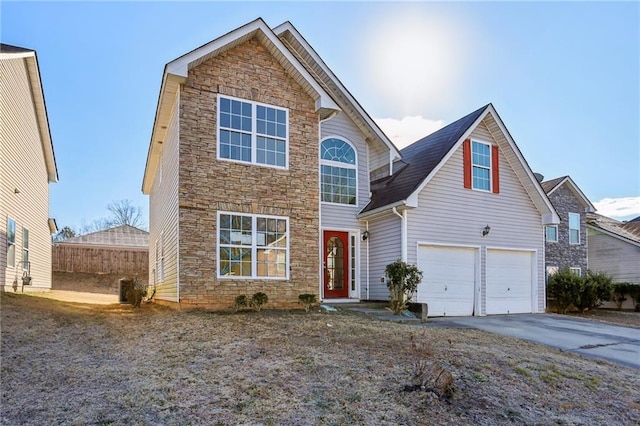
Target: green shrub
[595, 288]
[620, 292]
[564, 289]
[257, 300]
[634, 292]
[307, 300]
[239, 302]
[403, 280]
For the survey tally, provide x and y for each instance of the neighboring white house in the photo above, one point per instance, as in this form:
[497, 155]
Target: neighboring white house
[27, 166]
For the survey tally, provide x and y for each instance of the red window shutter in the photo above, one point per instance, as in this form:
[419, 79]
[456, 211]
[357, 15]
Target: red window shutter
[466, 159]
[495, 170]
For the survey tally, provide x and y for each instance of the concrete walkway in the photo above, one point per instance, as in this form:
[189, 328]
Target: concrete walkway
[78, 297]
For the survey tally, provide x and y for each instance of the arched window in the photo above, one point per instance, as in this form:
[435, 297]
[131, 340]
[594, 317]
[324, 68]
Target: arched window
[338, 165]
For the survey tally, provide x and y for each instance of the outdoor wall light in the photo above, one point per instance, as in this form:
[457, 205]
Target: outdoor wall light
[16, 191]
[365, 235]
[486, 231]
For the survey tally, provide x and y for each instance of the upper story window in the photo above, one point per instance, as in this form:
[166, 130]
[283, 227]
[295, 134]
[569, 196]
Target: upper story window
[253, 246]
[481, 166]
[251, 132]
[481, 161]
[574, 228]
[551, 233]
[338, 171]
[11, 243]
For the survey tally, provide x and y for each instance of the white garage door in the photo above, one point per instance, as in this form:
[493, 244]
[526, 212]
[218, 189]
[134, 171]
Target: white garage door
[448, 279]
[509, 281]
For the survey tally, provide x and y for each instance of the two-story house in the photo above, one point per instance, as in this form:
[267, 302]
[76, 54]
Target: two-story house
[566, 242]
[265, 174]
[27, 166]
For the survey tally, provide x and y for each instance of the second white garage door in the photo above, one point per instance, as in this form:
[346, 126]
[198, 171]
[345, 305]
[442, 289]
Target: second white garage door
[509, 281]
[448, 279]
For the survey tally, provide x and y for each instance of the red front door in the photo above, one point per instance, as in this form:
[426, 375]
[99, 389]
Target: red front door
[336, 264]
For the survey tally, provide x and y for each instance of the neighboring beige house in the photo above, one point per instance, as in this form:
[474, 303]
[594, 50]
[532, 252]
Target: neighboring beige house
[566, 243]
[265, 174]
[27, 166]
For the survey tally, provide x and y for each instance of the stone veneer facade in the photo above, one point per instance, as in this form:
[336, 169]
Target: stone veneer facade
[207, 185]
[562, 254]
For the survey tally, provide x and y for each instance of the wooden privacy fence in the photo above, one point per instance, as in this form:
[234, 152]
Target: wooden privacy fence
[96, 260]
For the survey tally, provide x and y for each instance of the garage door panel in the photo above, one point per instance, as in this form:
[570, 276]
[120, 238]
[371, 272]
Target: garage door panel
[448, 280]
[509, 281]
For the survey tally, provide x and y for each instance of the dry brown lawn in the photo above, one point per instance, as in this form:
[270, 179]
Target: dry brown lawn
[73, 364]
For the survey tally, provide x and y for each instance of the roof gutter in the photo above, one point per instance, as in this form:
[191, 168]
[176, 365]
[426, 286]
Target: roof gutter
[403, 232]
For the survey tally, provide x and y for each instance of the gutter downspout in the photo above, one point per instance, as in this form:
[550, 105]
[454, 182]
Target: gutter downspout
[367, 228]
[403, 233]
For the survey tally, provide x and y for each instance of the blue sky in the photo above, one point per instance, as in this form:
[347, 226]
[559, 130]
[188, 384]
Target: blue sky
[564, 77]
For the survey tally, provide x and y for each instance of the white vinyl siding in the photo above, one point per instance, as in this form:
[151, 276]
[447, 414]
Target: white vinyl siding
[449, 215]
[574, 228]
[22, 167]
[384, 248]
[163, 217]
[344, 217]
[614, 256]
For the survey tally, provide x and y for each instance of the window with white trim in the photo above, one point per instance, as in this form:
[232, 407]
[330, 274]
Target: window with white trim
[252, 132]
[338, 170]
[576, 271]
[481, 165]
[11, 243]
[551, 233]
[253, 246]
[574, 228]
[25, 248]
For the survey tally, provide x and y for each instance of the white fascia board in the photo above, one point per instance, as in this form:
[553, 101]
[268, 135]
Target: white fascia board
[287, 26]
[380, 210]
[180, 66]
[40, 107]
[588, 206]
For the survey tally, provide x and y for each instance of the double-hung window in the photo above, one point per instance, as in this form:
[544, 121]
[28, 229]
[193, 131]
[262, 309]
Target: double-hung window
[481, 165]
[25, 248]
[253, 246]
[252, 132]
[160, 258]
[552, 233]
[11, 243]
[338, 170]
[574, 228]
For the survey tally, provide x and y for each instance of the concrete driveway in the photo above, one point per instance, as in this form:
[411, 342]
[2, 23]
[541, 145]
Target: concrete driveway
[613, 343]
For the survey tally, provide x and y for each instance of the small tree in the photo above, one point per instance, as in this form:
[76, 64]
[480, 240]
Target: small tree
[595, 288]
[403, 280]
[239, 302]
[307, 300]
[563, 288]
[619, 295]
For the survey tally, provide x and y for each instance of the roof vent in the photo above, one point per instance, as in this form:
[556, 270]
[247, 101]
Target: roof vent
[539, 177]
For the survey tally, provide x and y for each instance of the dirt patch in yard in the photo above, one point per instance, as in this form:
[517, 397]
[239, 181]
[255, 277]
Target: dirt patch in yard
[66, 363]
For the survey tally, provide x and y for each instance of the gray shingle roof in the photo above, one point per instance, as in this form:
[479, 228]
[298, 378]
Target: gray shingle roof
[7, 48]
[120, 236]
[549, 185]
[627, 230]
[418, 161]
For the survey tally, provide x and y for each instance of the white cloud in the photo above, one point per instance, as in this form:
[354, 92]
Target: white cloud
[624, 208]
[407, 130]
